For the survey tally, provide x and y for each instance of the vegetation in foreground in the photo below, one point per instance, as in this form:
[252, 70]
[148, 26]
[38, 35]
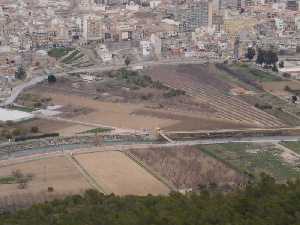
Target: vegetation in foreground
[261, 203]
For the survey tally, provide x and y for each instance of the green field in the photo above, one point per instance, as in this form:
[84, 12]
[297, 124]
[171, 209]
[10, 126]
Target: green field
[59, 52]
[293, 145]
[98, 130]
[72, 57]
[253, 159]
[8, 180]
[255, 74]
[274, 106]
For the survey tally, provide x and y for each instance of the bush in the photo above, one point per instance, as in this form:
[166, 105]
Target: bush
[17, 132]
[174, 93]
[6, 134]
[34, 129]
[37, 105]
[263, 106]
[50, 189]
[51, 78]
[287, 88]
[20, 74]
[281, 64]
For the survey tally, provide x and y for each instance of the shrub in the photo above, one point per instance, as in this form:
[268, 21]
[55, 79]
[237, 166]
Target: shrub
[51, 78]
[174, 93]
[17, 132]
[34, 129]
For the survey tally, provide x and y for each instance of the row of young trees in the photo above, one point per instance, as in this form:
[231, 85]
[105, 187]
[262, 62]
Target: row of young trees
[260, 203]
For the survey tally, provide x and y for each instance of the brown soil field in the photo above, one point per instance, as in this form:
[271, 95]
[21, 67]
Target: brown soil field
[187, 122]
[73, 130]
[277, 87]
[137, 116]
[188, 167]
[118, 174]
[106, 113]
[203, 83]
[52, 126]
[57, 172]
[45, 126]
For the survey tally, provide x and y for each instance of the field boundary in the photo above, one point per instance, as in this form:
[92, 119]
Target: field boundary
[147, 168]
[241, 172]
[13, 162]
[89, 178]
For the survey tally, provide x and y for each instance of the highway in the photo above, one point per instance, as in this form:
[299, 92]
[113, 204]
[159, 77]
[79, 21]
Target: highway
[123, 146]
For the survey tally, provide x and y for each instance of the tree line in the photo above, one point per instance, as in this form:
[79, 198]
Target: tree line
[267, 57]
[261, 203]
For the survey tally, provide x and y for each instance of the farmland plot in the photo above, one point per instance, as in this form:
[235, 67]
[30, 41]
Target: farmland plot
[202, 81]
[57, 172]
[189, 168]
[255, 159]
[118, 174]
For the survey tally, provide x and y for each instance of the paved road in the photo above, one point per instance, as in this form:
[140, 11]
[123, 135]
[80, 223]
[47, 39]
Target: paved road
[122, 146]
[147, 63]
[18, 89]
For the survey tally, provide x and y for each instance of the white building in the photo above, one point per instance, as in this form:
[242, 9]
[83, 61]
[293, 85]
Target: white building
[154, 4]
[146, 47]
[104, 53]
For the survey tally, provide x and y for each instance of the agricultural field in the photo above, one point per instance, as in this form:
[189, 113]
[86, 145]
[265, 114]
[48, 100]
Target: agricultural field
[70, 57]
[282, 89]
[116, 173]
[187, 168]
[252, 74]
[82, 105]
[272, 91]
[56, 172]
[254, 159]
[292, 145]
[285, 111]
[178, 97]
[203, 83]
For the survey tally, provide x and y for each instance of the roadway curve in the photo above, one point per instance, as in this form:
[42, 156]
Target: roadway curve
[16, 91]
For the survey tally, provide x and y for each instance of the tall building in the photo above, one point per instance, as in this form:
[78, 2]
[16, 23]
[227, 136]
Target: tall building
[92, 28]
[229, 4]
[194, 16]
[292, 5]
[210, 13]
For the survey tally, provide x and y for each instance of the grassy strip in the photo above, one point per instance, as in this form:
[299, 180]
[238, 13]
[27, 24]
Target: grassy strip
[98, 130]
[22, 108]
[8, 180]
[76, 58]
[222, 160]
[59, 52]
[70, 58]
